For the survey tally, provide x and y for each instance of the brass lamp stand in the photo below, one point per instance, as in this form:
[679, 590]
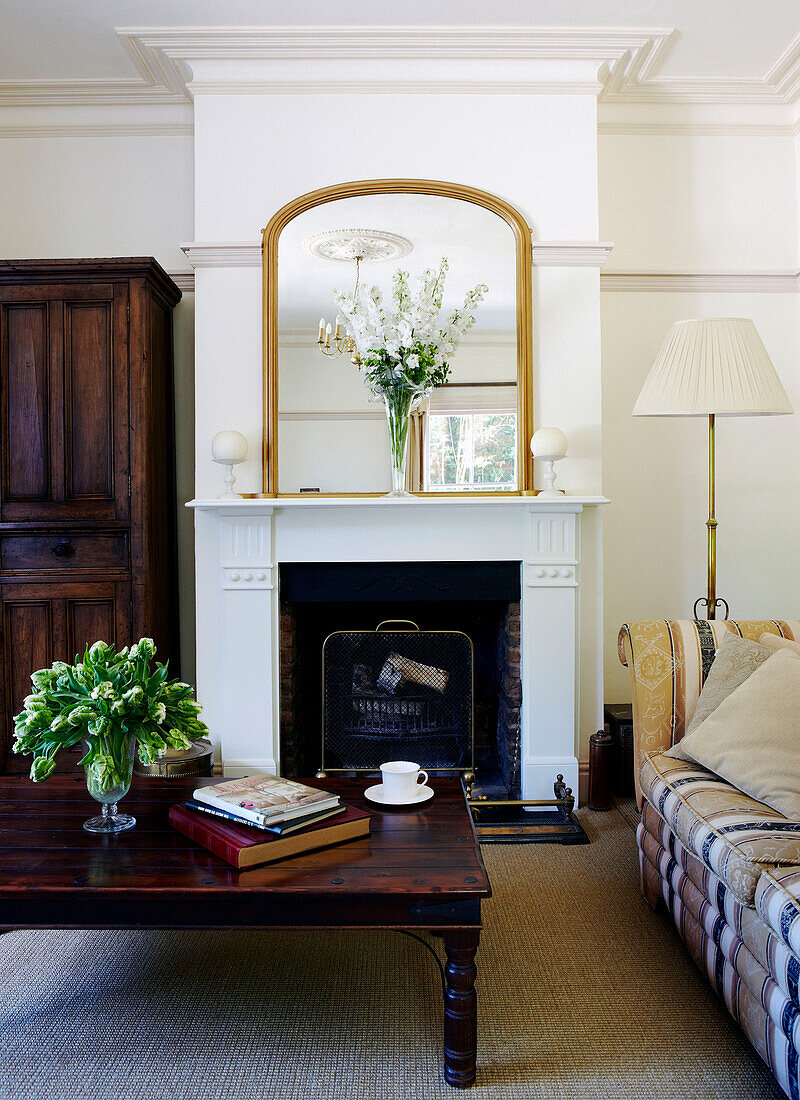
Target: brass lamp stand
[711, 601]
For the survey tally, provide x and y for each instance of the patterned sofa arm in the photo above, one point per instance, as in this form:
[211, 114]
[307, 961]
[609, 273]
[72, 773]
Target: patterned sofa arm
[669, 660]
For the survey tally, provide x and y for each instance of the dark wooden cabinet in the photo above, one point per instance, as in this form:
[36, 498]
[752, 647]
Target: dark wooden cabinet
[87, 466]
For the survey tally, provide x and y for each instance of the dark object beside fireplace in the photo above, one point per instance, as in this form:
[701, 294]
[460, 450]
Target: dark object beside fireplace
[397, 694]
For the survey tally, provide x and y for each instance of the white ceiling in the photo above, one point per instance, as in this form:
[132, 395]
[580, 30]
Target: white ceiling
[76, 40]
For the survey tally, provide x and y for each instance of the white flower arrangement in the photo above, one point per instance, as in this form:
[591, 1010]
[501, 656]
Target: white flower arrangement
[401, 349]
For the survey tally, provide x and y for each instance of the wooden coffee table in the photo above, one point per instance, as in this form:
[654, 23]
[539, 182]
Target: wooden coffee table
[419, 870]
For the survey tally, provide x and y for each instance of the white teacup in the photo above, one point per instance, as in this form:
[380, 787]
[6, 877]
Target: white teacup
[401, 780]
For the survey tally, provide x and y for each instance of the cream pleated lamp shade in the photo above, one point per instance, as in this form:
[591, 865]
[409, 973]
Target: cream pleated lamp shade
[719, 366]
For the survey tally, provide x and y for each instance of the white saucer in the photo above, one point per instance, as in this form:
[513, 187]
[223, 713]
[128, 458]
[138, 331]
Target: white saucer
[375, 794]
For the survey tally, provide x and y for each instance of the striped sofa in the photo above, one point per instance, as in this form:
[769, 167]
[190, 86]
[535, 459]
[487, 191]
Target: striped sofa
[726, 866]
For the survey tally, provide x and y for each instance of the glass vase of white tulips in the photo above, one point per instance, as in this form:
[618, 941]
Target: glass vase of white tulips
[401, 350]
[113, 703]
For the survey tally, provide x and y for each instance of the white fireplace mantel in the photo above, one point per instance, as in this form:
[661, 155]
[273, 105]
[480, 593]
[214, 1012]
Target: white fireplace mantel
[249, 505]
[241, 544]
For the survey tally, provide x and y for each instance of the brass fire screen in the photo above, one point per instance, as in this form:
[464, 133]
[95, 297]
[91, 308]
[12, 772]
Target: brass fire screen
[397, 694]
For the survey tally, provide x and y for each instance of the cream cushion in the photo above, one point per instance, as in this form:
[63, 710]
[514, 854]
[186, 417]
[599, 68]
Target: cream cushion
[735, 660]
[752, 739]
[775, 641]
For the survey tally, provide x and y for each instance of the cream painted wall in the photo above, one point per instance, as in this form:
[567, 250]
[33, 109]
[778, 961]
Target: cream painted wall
[91, 196]
[696, 204]
[675, 203]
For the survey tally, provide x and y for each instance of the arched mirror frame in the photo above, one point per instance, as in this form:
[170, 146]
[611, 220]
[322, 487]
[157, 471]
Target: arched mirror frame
[270, 237]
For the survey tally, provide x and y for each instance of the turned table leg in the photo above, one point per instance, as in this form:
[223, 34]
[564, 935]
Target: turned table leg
[460, 1007]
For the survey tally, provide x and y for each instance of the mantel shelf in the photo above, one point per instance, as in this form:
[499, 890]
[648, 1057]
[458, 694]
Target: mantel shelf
[269, 504]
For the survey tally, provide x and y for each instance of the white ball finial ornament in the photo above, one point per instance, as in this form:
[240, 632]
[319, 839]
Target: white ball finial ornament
[229, 448]
[548, 446]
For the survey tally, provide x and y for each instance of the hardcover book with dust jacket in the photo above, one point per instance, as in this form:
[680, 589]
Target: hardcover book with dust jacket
[266, 799]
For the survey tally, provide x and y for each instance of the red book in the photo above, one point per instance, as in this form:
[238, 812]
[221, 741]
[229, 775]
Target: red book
[242, 846]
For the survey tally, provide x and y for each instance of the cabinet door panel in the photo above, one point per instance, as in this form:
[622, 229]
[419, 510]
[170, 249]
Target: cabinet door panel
[28, 636]
[29, 641]
[89, 620]
[46, 622]
[25, 388]
[65, 401]
[88, 405]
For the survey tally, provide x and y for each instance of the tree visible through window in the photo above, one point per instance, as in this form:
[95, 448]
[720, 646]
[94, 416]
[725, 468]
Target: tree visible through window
[472, 450]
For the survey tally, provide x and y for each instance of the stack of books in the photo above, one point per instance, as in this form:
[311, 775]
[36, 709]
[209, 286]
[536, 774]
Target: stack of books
[263, 818]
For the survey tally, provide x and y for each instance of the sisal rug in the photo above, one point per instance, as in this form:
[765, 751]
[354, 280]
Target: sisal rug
[583, 992]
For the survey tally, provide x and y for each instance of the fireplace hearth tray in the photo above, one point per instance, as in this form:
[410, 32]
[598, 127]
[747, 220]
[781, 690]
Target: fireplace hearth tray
[543, 821]
[512, 824]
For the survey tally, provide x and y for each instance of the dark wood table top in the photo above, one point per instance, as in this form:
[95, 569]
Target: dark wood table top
[418, 868]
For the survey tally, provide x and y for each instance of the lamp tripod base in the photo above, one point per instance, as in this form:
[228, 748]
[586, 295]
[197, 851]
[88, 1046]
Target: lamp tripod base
[711, 604]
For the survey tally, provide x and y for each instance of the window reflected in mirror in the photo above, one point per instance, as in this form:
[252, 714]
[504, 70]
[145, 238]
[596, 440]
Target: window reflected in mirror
[475, 450]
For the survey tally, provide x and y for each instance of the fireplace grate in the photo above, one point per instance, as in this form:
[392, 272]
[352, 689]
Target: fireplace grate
[390, 694]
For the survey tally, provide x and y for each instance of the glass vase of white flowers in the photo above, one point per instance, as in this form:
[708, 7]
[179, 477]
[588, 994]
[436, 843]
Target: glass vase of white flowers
[113, 702]
[401, 350]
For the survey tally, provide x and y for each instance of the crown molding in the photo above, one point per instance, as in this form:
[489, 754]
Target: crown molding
[163, 57]
[725, 282]
[571, 253]
[626, 61]
[85, 93]
[88, 129]
[456, 60]
[641, 84]
[395, 87]
[163, 50]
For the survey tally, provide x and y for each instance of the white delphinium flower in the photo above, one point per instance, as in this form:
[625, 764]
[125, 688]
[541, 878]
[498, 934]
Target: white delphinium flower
[401, 349]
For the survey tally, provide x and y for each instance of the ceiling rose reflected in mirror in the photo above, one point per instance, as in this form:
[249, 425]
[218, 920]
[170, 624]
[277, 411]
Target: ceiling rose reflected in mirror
[368, 245]
[357, 246]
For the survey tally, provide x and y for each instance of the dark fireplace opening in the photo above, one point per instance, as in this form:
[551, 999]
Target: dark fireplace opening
[482, 600]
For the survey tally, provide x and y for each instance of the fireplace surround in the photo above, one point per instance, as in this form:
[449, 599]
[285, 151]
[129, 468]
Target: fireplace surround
[242, 544]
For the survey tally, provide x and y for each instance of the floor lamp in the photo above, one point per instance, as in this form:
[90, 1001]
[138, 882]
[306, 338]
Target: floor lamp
[716, 367]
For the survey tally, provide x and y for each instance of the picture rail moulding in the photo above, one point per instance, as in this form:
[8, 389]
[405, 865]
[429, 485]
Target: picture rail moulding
[653, 282]
[545, 253]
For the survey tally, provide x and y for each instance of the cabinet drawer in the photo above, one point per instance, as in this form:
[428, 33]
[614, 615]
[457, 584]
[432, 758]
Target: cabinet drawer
[64, 552]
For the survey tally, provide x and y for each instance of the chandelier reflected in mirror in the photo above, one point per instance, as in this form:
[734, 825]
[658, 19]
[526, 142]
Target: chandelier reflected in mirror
[355, 246]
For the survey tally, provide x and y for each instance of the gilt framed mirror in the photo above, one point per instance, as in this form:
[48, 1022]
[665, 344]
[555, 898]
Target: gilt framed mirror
[325, 428]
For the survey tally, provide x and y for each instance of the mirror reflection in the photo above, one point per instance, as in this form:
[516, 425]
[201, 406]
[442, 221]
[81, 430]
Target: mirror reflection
[333, 435]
